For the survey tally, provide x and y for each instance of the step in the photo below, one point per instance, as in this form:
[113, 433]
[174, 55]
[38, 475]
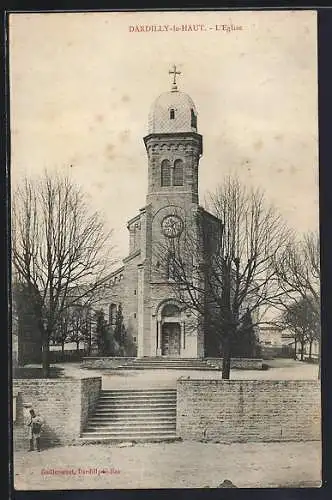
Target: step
[165, 367]
[161, 417]
[137, 421]
[115, 403]
[141, 407]
[114, 417]
[167, 360]
[127, 397]
[184, 363]
[181, 365]
[133, 411]
[139, 402]
[134, 404]
[164, 359]
[129, 432]
[130, 427]
[130, 392]
[138, 397]
[142, 410]
[107, 439]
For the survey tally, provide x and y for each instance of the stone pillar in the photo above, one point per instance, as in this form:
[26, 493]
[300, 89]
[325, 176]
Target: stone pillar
[140, 312]
[158, 334]
[182, 340]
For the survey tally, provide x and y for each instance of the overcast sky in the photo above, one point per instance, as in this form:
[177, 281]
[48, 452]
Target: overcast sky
[82, 86]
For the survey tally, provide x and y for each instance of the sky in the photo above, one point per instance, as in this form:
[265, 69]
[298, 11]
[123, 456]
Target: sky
[81, 86]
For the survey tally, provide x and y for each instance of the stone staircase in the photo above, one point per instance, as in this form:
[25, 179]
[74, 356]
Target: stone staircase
[160, 363]
[133, 416]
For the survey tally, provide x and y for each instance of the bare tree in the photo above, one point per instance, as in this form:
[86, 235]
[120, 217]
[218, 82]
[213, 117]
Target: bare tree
[220, 266]
[299, 319]
[77, 326]
[298, 273]
[60, 250]
[61, 331]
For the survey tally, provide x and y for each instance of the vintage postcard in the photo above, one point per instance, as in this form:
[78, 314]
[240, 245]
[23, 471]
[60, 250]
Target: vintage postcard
[165, 250]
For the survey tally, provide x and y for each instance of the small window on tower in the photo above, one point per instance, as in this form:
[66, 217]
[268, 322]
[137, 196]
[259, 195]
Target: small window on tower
[193, 119]
[172, 114]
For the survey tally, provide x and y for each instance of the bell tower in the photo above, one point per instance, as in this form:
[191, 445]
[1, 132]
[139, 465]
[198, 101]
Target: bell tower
[173, 147]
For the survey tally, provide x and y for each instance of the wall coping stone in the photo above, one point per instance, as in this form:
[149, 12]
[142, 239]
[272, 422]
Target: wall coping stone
[265, 382]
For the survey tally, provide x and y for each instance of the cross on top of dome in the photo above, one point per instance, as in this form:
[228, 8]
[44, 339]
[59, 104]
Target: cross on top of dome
[174, 72]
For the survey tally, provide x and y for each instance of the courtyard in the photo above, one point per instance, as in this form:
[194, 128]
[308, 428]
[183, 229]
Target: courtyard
[279, 369]
[181, 464]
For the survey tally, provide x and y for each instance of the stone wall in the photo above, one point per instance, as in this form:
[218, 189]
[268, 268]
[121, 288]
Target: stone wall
[239, 363]
[90, 390]
[107, 362]
[230, 411]
[64, 404]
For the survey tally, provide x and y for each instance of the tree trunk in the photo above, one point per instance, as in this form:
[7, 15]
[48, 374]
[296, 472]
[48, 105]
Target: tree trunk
[77, 345]
[226, 362]
[45, 355]
[302, 351]
[310, 348]
[295, 349]
[63, 347]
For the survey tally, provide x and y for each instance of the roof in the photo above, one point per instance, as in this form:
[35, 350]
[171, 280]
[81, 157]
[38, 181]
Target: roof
[183, 106]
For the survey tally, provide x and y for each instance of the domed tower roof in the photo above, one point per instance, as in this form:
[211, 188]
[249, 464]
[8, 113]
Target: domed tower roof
[173, 112]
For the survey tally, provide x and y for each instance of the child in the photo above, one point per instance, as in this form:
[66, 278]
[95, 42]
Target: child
[35, 424]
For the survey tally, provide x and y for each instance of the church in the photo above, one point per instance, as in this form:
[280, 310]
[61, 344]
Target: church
[153, 316]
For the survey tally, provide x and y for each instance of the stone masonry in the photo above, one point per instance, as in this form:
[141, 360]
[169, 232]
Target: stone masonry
[64, 403]
[229, 411]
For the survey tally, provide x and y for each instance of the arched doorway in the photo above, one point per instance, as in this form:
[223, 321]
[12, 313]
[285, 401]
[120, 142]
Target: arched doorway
[170, 331]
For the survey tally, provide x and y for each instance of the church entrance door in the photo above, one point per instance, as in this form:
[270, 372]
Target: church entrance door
[170, 339]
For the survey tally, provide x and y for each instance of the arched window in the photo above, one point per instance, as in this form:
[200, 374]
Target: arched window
[172, 114]
[165, 173]
[178, 173]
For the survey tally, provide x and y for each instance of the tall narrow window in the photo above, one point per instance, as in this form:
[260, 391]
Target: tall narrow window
[172, 114]
[112, 314]
[178, 173]
[193, 119]
[165, 173]
[171, 266]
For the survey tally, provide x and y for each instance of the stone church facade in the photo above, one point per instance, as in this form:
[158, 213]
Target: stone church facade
[156, 320]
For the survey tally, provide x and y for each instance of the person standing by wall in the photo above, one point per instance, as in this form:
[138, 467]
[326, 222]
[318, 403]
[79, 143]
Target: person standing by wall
[35, 424]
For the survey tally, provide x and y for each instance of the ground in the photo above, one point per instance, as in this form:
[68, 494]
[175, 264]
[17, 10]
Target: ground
[172, 465]
[175, 465]
[279, 369]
